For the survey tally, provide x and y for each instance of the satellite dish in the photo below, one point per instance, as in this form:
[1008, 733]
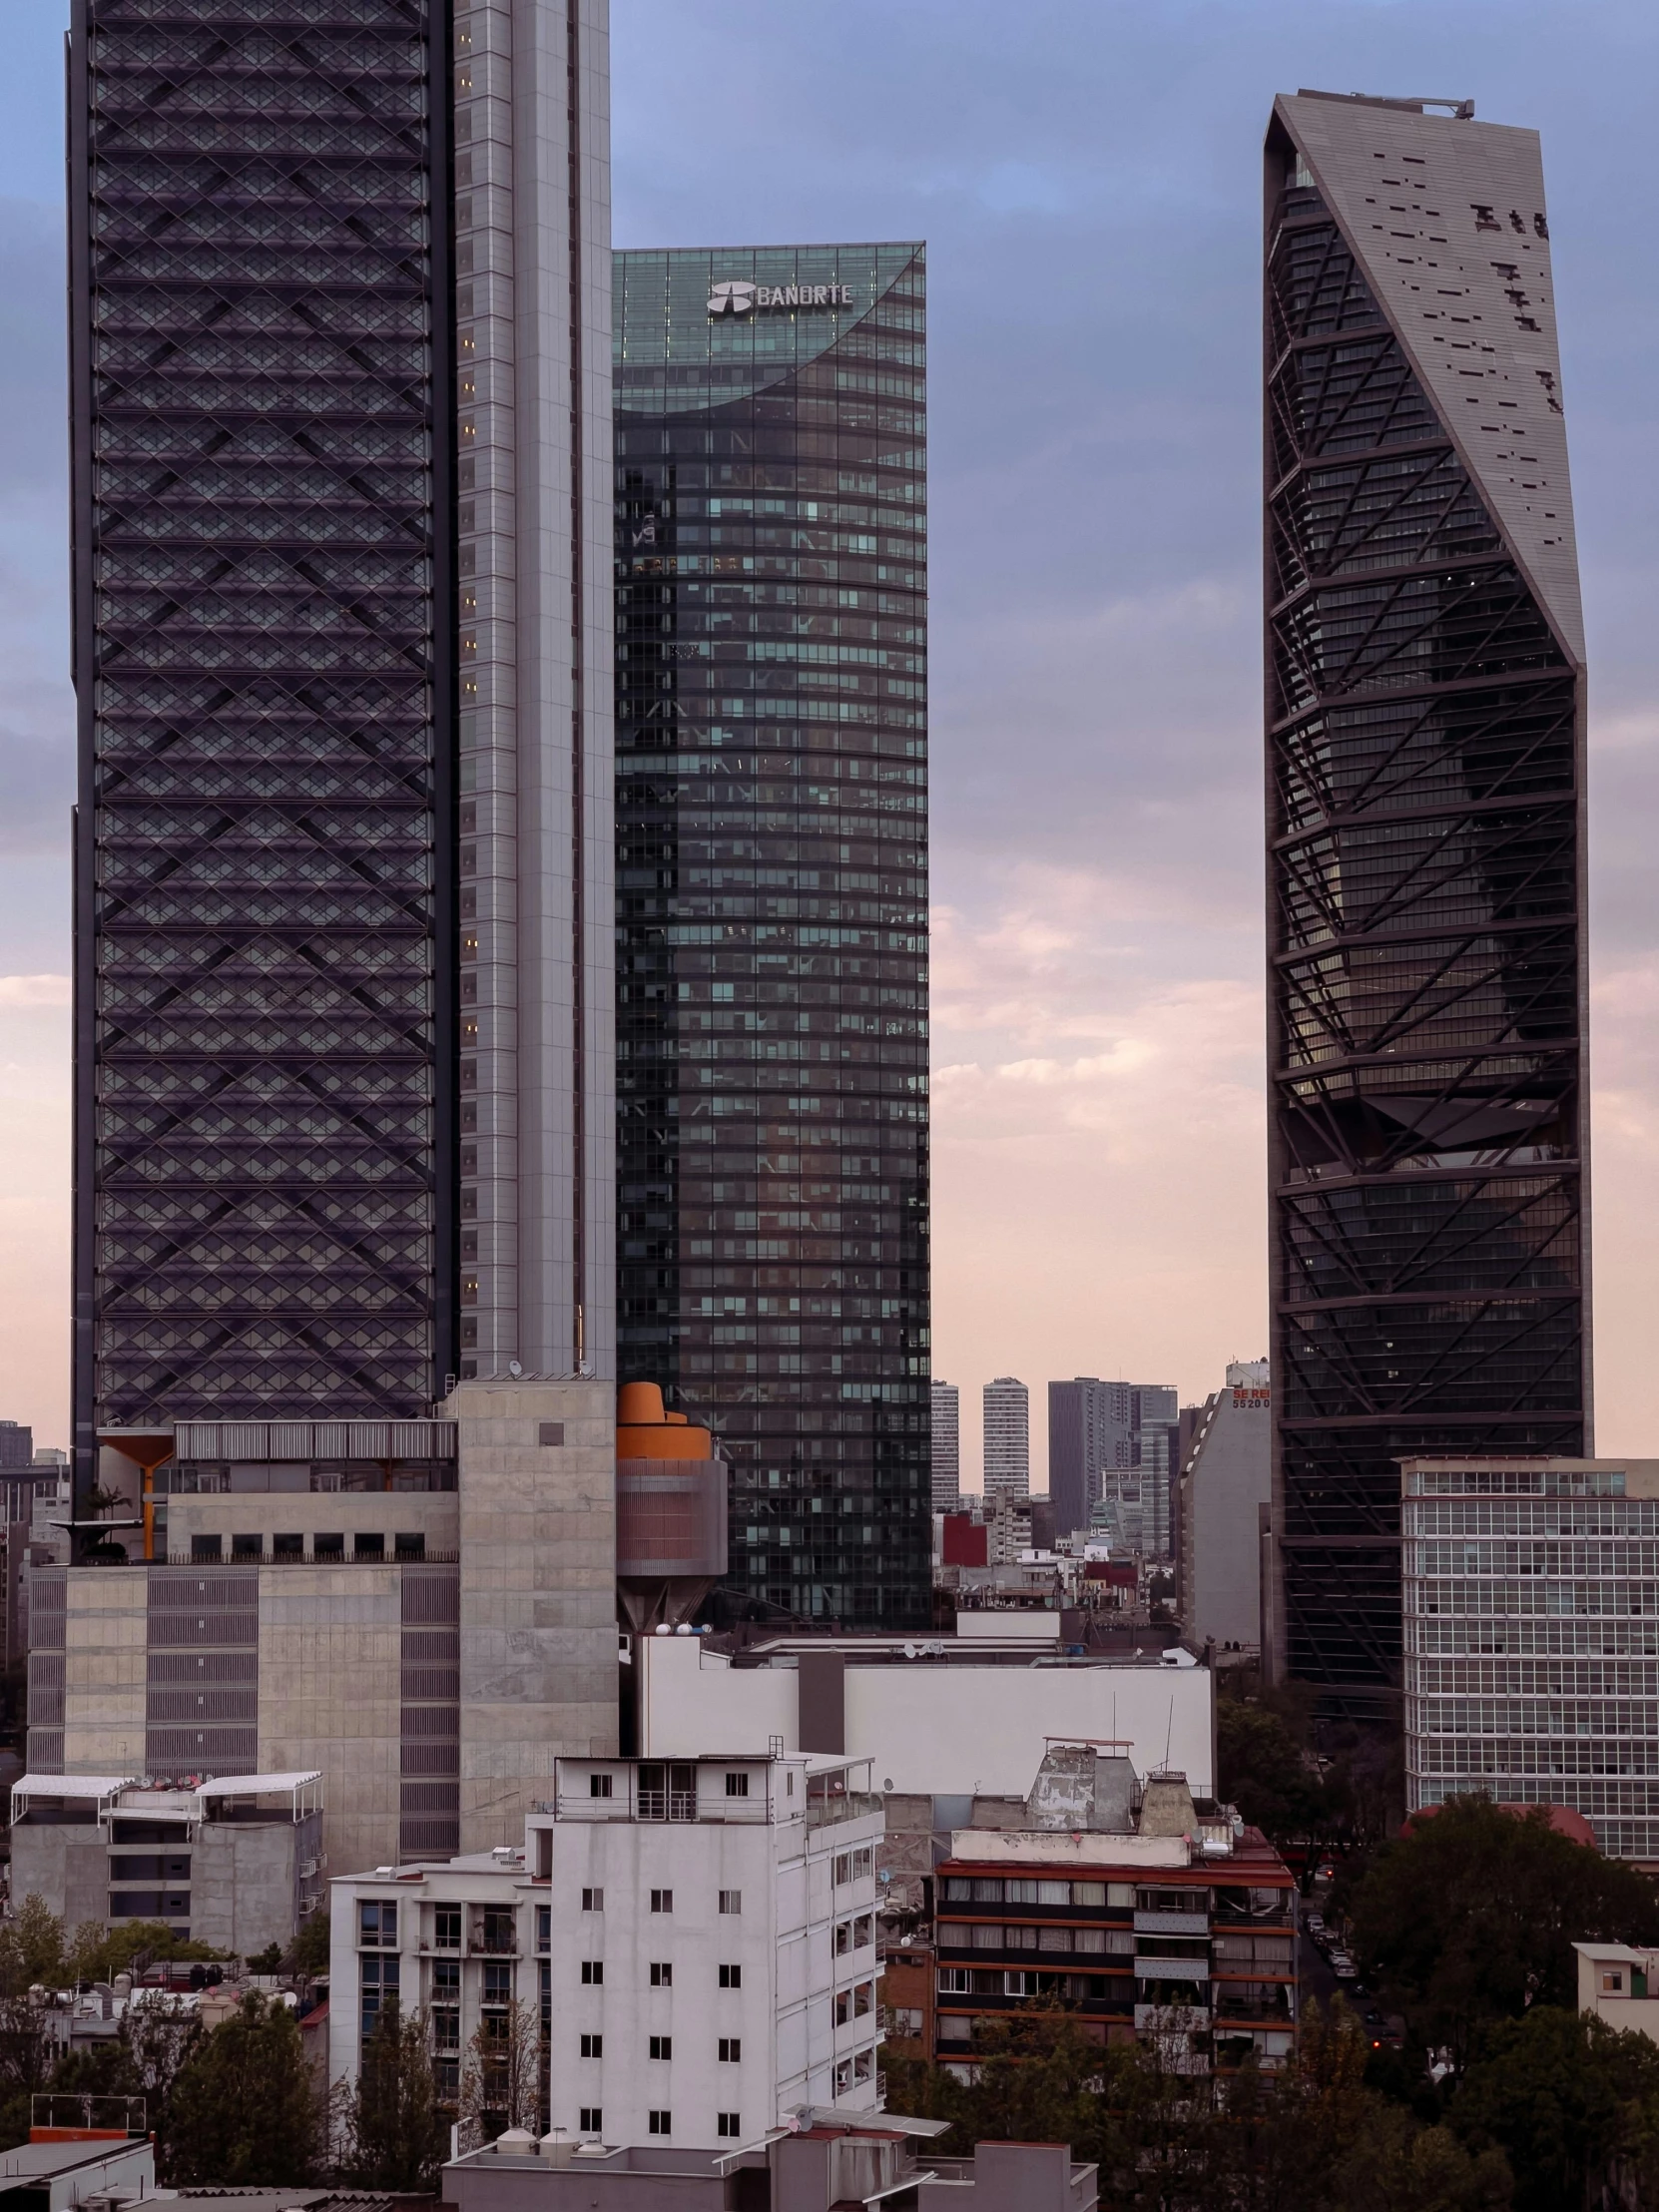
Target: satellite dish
[514, 1370]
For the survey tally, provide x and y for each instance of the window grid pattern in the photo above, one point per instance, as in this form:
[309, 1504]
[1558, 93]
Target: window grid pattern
[772, 905]
[259, 346]
[1427, 1132]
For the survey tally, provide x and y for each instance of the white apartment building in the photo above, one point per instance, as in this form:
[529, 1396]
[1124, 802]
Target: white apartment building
[946, 1446]
[1007, 1436]
[714, 1944]
[695, 1937]
[1225, 1492]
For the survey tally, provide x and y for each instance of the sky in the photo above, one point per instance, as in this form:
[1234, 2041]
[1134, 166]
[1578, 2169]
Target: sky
[1086, 174]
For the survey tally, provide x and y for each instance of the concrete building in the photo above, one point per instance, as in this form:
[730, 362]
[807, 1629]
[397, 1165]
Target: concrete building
[104, 2167]
[1007, 1436]
[948, 1715]
[1090, 1428]
[1429, 1142]
[697, 1938]
[1531, 1610]
[1620, 1986]
[1225, 1492]
[422, 1611]
[946, 1446]
[236, 1863]
[826, 2162]
[1147, 1909]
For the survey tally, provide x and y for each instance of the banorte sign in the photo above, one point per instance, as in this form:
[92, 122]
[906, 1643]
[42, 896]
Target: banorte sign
[736, 297]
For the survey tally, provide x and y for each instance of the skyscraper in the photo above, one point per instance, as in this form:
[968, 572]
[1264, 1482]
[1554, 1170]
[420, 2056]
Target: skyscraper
[946, 1446]
[343, 1075]
[1008, 1438]
[771, 897]
[1090, 1430]
[1425, 795]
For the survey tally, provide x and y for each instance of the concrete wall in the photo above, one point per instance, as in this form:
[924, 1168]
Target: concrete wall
[929, 1727]
[329, 1697]
[434, 1514]
[243, 1884]
[538, 1639]
[1229, 1480]
[105, 1641]
[68, 1866]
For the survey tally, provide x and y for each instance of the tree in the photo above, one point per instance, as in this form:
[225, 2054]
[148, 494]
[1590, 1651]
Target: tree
[99, 1953]
[397, 2136]
[1565, 2096]
[1470, 1919]
[31, 1948]
[309, 1952]
[245, 2110]
[501, 2081]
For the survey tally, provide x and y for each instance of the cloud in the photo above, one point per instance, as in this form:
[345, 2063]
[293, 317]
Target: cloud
[35, 990]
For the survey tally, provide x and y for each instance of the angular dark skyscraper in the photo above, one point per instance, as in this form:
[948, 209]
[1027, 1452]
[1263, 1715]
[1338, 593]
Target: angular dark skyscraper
[772, 875]
[1429, 1127]
[339, 297]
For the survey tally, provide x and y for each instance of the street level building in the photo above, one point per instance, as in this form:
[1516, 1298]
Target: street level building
[340, 440]
[1532, 1629]
[772, 792]
[1428, 1130]
[1150, 1914]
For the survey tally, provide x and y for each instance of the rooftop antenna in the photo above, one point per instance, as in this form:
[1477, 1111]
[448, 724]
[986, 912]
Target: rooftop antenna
[1169, 1734]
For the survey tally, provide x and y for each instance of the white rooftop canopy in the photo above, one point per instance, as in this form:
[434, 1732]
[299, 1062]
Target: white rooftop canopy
[255, 1785]
[72, 1785]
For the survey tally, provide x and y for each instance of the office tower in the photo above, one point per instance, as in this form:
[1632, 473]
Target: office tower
[1223, 1487]
[344, 1119]
[17, 1445]
[1425, 743]
[1089, 1430]
[772, 854]
[946, 1440]
[1008, 1438]
[1532, 1661]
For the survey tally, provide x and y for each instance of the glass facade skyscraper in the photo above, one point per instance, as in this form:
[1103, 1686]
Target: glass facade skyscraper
[772, 792]
[316, 607]
[1429, 1132]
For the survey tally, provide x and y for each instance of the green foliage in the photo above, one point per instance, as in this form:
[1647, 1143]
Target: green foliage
[1472, 1917]
[309, 1952]
[99, 1953]
[1337, 1803]
[1565, 2096]
[31, 1948]
[398, 2136]
[245, 2110]
[268, 1961]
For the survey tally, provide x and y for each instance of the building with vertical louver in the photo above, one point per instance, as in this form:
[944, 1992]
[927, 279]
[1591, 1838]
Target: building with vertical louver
[1426, 795]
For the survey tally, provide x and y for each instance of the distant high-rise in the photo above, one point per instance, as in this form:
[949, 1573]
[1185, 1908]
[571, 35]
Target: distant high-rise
[1090, 1430]
[772, 927]
[17, 1444]
[1429, 1133]
[1008, 1438]
[341, 433]
[947, 1446]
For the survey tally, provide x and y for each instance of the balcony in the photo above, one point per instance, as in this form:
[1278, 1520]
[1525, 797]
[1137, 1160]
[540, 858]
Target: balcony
[493, 1936]
[1172, 1924]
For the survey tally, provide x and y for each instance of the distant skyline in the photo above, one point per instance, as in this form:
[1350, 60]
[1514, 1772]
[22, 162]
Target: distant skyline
[1087, 178]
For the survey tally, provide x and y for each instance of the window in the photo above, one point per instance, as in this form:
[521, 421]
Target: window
[378, 1985]
[551, 1433]
[730, 1977]
[864, 1930]
[667, 1793]
[410, 1544]
[247, 1547]
[662, 1973]
[662, 1901]
[1612, 1983]
[730, 2050]
[599, 1785]
[593, 1973]
[544, 1927]
[446, 1927]
[727, 2123]
[446, 2027]
[498, 1986]
[378, 1925]
[593, 1901]
[207, 1547]
[844, 2077]
[322, 1547]
[287, 1547]
[368, 1547]
[593, 2046]
[737, 1784]
[863, 2065]
[953, 1981]
[731, 1901]
[590, 2120]
[659, 2123]
[662, 2046]
[858, 1866]
[500, 1933]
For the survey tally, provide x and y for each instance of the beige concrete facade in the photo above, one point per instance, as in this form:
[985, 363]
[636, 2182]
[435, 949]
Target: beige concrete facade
[106, 1637]
[538, 1639]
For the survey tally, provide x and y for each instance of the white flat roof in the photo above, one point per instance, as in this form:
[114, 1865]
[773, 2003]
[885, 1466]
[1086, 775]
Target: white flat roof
[73, 1784]
[254, 1785]
[1058, 1847]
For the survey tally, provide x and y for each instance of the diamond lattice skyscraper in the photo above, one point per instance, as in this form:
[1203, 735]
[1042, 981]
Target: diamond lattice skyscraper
[340, 327]
[772, 855]
[1426, 749]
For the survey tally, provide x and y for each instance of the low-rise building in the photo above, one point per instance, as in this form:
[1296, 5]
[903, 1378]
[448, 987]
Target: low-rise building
[1151, 1914]
[234, 1863]
[1620, 1985]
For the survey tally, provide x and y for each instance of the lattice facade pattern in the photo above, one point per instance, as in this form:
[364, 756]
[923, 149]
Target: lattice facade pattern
[772, 899]
[1426, 907]
[259, 337]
